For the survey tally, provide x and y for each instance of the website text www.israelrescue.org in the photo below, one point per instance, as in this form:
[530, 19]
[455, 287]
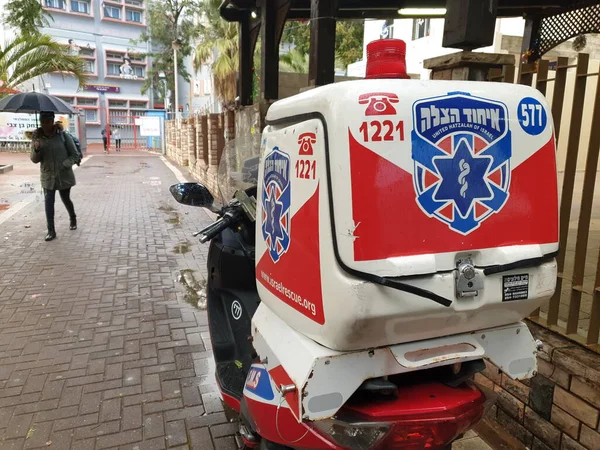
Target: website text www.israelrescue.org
[290, 294]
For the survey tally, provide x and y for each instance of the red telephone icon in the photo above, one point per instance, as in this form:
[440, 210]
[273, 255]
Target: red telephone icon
[306, 141]
[380, 103]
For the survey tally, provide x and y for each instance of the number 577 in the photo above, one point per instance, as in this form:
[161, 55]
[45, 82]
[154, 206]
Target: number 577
[528, 111]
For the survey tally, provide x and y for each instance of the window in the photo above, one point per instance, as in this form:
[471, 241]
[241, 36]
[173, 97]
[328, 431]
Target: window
[134, 3]
[112, 12]
[91, 115]
[139, 71]
[80, 6]
[56, 4]
[68, 100]
[82, 101]
[138, 58]
[139, 105]
[89, 66]
[117, 103]
[86, 52]
[113, 69]
[114, 55]
[421, 28]
[133, 16]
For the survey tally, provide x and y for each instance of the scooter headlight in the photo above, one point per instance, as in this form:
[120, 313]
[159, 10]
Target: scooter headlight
[355, 436]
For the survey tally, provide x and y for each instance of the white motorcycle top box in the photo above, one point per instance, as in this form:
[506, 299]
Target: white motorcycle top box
[393, 210]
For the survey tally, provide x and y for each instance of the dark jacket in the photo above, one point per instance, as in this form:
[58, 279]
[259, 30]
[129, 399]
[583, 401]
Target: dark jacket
[56, 157]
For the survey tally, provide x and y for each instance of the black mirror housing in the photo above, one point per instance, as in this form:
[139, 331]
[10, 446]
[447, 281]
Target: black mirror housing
[192, 194]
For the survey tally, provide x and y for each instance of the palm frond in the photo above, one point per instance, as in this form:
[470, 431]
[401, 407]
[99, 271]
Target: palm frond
[27, 57]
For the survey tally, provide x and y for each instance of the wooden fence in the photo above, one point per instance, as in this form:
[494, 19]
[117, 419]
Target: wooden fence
[574, 310]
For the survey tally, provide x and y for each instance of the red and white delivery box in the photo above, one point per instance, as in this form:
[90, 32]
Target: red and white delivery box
[369, 183]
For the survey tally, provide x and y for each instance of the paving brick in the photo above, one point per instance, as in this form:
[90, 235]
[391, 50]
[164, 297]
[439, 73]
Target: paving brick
[18, 426]
[225, 443]
[226, 429]
[74, 422]
[39, 435]
[132, 417]
[200, 438]
[176, 433]
[206, 420]
[55, 414]
[118, 439]
[166, 405]
[110, 410]
[96, 430]
[154, 425]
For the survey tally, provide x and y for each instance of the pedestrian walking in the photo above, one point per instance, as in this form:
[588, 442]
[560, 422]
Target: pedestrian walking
[105, 133]
[56, 153]
[117, 136]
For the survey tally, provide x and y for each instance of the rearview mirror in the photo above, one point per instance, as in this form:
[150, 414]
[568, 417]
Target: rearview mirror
[192, 194]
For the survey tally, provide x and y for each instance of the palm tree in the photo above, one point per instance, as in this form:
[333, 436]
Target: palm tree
[294, 61]
[27, 57]
[219, 46]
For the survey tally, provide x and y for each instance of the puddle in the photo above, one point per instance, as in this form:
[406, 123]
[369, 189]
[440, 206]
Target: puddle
[175, 220]
[182, 248]
[195, 293]
[167, 209]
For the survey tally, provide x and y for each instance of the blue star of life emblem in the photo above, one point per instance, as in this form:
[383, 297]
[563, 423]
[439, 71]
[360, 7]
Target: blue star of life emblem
[461, 148]
[276, 202]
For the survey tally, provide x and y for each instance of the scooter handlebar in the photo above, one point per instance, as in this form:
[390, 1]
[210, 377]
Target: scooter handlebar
[217, 227]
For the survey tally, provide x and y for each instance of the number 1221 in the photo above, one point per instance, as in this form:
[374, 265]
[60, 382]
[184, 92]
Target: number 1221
[372, 131]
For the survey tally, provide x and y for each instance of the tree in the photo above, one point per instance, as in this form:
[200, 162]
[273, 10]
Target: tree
[169, 20]
[349, 37]
[29, 56]
[294, 61]
[219, 47]
[27, 16]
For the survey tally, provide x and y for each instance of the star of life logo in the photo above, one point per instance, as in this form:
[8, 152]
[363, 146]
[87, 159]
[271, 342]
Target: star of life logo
[276, 202]
[461, 148]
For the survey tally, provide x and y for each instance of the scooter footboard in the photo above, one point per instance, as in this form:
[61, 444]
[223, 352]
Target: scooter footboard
[316, 381]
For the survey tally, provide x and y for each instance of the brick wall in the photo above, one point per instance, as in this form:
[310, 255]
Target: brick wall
[559, 408]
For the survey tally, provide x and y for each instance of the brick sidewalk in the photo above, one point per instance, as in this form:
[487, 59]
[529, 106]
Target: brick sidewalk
[98, 347]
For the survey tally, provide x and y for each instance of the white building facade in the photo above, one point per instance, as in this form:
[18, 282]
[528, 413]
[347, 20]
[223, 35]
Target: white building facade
[101, 32]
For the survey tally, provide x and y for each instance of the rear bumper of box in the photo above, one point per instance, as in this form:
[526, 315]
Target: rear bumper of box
[325, 379]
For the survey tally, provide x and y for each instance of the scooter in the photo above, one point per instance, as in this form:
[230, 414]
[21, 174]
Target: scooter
[384, 237]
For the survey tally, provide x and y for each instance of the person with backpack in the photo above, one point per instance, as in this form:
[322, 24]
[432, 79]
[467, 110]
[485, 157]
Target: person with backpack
[61, 127]
[56, 153]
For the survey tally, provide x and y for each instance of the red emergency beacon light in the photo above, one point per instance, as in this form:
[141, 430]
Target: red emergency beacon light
[386, 58]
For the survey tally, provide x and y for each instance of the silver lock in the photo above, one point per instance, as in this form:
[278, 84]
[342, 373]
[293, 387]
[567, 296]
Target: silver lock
[469, 280]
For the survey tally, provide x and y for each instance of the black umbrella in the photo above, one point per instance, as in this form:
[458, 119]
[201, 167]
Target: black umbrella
[34, 102]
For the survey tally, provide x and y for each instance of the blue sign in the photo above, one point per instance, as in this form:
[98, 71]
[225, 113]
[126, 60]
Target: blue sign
[258, 382]
[532, 116]
[461, 149]
[276, 203]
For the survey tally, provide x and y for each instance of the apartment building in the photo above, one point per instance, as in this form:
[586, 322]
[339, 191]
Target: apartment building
[101, 32]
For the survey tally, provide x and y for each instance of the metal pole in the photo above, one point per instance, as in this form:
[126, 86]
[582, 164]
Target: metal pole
[176, 91]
